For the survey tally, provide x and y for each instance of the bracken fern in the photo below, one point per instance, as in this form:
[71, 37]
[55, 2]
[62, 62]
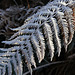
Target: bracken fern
[39, 31]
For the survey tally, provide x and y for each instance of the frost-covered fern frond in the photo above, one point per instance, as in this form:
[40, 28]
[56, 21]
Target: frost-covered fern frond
[40, 32]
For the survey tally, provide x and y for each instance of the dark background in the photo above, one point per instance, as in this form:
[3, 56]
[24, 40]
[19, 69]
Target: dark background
[6, 3]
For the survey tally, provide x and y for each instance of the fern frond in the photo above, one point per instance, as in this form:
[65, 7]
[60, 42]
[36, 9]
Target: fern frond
[15, 65]
[56, 35]
[49, 38]
[40, 38]
[68, 12]
[36, 46]
[9, 68]
[40, 32]
[19, 63]
[30, 53]
[64, 27]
